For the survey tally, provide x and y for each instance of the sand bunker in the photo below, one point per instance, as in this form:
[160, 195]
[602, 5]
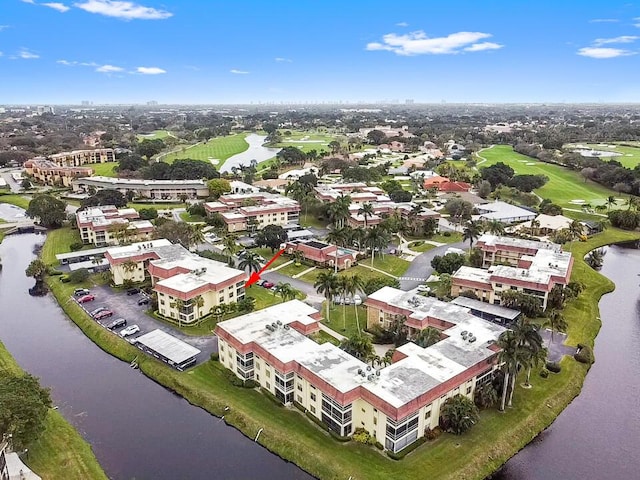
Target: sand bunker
[577, 202]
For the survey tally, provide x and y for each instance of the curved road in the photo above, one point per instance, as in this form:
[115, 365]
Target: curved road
[421, 267]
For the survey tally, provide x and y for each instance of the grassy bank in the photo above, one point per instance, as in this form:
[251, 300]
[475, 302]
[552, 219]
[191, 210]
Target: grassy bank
[17, 200]
[218, 149]
[289, 434]
[60, 452]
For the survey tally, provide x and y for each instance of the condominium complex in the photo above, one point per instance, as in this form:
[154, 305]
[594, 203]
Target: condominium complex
[254, 210]
[78, 158]
[323, 254]
[359, 192]
[524, 266]
[50, 173]
[188, 287]
[395, 404]
[157, 190]
[108, 225]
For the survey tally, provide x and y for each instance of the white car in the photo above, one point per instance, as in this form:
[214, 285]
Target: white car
[424, 288]
[130, 330]
[357, 300]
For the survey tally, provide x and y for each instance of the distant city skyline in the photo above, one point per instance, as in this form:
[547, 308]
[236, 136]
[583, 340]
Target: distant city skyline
[197, 52]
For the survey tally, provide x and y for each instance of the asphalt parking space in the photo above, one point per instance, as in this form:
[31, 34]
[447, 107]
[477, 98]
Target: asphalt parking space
[126, 306]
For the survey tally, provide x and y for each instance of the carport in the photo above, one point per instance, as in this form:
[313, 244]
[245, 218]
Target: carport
[168, 348]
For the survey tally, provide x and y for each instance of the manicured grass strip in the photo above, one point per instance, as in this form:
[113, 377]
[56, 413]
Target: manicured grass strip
[346, 325]
[104, 169]
[420, 246]
[157, 134]
[187, 217]
[60, 453]
[58, 241]
[564, 185]
[17, 200]
[219, 148]
[474, 455]
[394, 265]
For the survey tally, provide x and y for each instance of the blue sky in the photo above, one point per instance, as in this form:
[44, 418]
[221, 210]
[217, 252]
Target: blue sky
[207, 51]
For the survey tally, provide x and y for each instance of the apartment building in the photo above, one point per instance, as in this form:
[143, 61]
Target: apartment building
[395, 404]
[157, 190]
[188, 287]
[323, 254]
[78, 158]
[359, 192]
[534, 275]
[254, 210]
[407, 210]
[50, 173]
[107, 225]
[508, 250]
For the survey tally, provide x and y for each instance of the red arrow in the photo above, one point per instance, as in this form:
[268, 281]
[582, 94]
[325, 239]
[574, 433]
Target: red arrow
[255, 276]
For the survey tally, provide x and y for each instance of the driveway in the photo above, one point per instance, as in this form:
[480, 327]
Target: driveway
[126, 306]
[420, 268]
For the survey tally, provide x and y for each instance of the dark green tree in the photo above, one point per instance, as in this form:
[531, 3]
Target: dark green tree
[48, 210]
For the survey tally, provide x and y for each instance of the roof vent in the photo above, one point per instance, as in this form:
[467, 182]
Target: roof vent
[464, 334]
[286, 327]
[377, 373]
[472, 339]
[371, 377]
[274, 325]
[368, 368]
[279, 322]
[270, 328]
[359, 371]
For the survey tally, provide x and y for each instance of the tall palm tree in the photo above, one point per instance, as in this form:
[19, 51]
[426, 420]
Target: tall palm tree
[178, 304]
[495, 227]
[366, 210]
[337, 236]
[339, 210]
[198, 302]
[427, 337]
[327, 284]
[611, 200]
[529, 344]
[471, 232]
[535, 225]
[508, 342]
[286, 291]
[358, 237]
[250, 261]
[575, 230]
[413, 216]
[377, 238]
[230, 247]
[197, 236]
[342, 289]
[129, 267]
[556, 322]
[355, 284]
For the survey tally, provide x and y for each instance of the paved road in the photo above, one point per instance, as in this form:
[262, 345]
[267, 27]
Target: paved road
[312, 296]
[420, 267]
[15, 187]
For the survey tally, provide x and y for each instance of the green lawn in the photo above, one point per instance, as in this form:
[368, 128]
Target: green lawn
[630, 155]
[157, 134]
[420, 246]
[323, 337]
[311, 221]
[187, 217]
[60, 453]
[219, 149]
[286, 432]
[342, 319]
[396, 266]
[307, 141]
[17, 200]
[293, 269]
[564, 185]
[157, 206]
[267, 254]
[58, 241]
[104, 169]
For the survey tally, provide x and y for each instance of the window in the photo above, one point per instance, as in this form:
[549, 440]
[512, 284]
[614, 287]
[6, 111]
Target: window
[257, 377]
[299, 398]
[468, 390]
[299, 387]
[313, 409]
[375, 420]
[427, 415]
[313, 397]
[268, 385]
[268, 373]
[221, 347]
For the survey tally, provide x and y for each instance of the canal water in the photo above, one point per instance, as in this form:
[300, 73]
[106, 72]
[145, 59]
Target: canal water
[596, 437]
[137, 428]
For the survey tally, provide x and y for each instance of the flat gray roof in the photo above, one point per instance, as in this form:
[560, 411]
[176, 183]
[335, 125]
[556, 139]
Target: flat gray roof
[497, 310]
[82, 253]
[168, 346]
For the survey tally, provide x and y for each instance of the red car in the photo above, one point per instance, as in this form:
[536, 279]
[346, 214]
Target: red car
[267, 284]
[103, 314]
[86, 298]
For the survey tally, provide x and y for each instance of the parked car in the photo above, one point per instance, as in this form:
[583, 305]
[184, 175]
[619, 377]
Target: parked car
[130, 330]
[103, 314]
[93, 313]
[424, 288]
[267, 284]
[81, 292]
[143, 301]
[117, 323]
[133, 291]
[357, 300]
[261, 283]
[86, 298]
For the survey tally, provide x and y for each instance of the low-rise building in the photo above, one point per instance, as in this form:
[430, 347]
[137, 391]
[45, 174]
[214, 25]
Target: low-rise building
[396, 404]
[359, 192]
[323, 254]
[504, 212]
[78, 158]
[246, 211]
[50, 173]
[157, 190]
[188, 287]
[411, 212]
[509, 250]
[108, 225]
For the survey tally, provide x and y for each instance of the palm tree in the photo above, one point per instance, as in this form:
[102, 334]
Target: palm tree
[230, 247]
[471, 232]
[611, 200]
[366, 210]
[358, 236]
[178, 304]
[36, 269]
[575, 230]
[377, 238]
[508, 344]
[298, 256]
[197, 236]
[250, 261]
[556, 322]
[428, 337]
[129, 267]
[339, 210]
[327, 284]
[354, 284]
[495, 227]
[286, 291]
[358, 345]
[459, 414]
[533, 228]
[336, 236]
[528, 347]
[342, 288]
[198, 302]
[536, 357]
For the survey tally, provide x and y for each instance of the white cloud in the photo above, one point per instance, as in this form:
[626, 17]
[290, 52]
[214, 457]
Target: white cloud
[27, 55]
[603, 52]
[402, 24]
[109, 69]
[124, 10]
[32, 2]
[3, 27]
[67, 63]
[150, 70]
[480, 47]
[283, 60]
[637, 19]
[61, 7]
[238, 72]
[623, 39]
[418, 43]
[604, 20]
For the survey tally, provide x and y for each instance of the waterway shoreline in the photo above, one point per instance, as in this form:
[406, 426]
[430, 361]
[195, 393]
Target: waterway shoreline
[495, 449]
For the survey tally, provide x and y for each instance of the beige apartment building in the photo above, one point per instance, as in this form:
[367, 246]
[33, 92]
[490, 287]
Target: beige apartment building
[108, 225]
[157, 190]
[49, 173]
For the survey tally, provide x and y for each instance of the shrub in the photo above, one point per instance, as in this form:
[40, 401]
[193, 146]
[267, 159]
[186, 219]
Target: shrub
[553, 367]
[78, 276]
[362, 436]
[446, 234]
[432, 434]
[379, 446]
[215, 356]
[233, 379]
[74, 247]
[584, 354]
[406, 450]
[65, 278]
[544, 373]
[250, 384]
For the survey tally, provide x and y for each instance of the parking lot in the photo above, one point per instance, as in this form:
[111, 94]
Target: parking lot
[126, 306]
